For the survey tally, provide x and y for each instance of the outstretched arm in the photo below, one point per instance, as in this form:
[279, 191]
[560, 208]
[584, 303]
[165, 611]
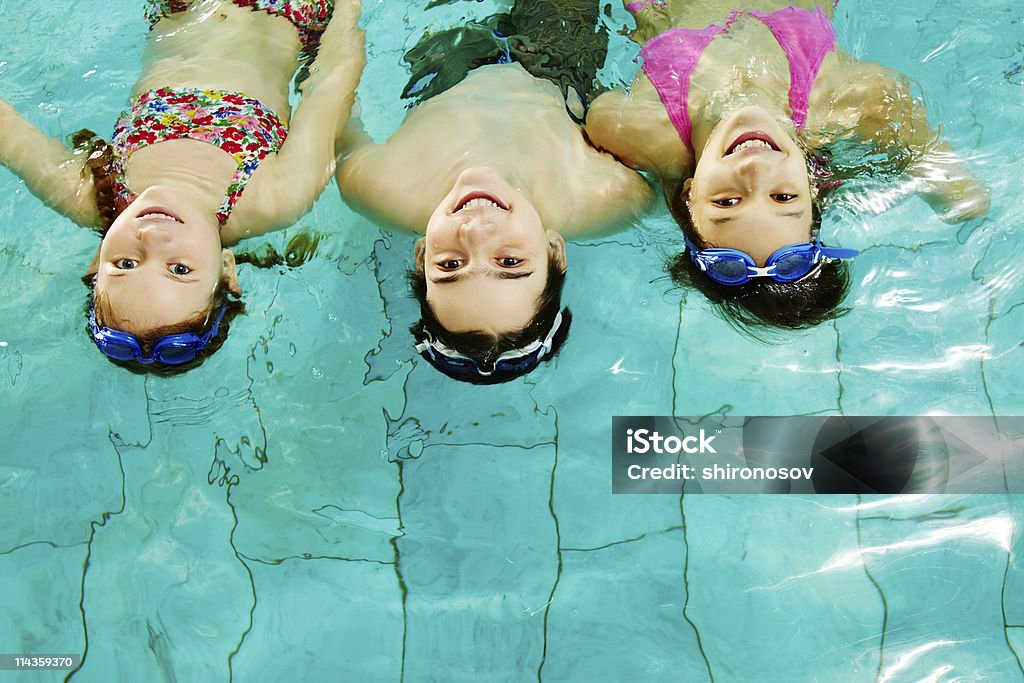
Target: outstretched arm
[891, 115]
[950, 189]
[50, 170]
[286, 185]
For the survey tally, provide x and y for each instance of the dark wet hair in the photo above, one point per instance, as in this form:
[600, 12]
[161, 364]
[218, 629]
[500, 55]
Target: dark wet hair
[485, 348]
[762, 304]
[98, 163]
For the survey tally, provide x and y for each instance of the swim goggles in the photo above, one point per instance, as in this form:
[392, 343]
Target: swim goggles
[174, 349]
[508, 365]
[789, 264]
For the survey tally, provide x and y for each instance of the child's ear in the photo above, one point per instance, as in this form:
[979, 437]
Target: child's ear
[419, 253]
[229, 274]
[556, 249]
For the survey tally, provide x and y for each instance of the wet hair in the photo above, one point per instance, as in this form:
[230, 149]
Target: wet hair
[484, 348]
[99, 156]
[197, 325]
[762, 304]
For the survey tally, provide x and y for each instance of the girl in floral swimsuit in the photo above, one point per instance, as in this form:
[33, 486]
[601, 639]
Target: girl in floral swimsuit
[724, 109]
[207, 154]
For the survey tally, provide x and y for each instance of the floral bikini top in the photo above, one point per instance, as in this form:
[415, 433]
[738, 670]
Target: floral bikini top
[310, 17]
[237, 124]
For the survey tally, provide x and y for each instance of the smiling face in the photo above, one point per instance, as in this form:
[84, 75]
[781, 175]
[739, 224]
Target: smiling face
[750, 189]
[485, 256]
[160, 262]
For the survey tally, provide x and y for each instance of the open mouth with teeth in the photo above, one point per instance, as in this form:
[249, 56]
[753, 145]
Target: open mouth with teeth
[755, 141]
[157, 213]
[477, 199]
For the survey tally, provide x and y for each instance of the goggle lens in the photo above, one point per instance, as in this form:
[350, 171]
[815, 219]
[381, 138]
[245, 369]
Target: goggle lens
[118, 350]
[518, 364]
[793, 266]
[728, 271]
[175, 355]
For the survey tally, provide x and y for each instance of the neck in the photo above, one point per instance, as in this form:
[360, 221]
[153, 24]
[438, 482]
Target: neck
[504, 166]
[523, 184]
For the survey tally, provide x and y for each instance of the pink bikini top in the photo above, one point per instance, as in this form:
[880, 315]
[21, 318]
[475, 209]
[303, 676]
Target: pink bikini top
[670, 58]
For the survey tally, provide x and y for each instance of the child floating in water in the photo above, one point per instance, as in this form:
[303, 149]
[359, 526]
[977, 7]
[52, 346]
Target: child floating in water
[495, 173]
[206, 155]
[735, 110]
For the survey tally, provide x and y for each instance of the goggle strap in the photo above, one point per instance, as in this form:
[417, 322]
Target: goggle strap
[540, 347]
[836, 253]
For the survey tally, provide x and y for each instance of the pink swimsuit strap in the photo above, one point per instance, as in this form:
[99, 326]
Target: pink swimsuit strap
[670, 59]
[806, 37]
[638, 5]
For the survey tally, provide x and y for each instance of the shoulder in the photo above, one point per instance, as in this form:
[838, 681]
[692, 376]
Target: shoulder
[602, 194]
[636, 129]
[391, 184]
[861, 97]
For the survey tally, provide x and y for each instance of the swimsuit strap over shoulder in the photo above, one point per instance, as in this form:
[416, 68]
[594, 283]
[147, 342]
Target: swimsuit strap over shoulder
[638, 5]
[237, 124]
[670, 59]
[806, 37]
[310, 17]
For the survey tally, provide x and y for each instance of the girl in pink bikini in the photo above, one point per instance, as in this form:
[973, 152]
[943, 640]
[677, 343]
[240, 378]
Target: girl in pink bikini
[207, 154]
[734, 109]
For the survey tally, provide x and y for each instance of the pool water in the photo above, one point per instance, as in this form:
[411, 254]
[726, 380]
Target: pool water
[316, 504]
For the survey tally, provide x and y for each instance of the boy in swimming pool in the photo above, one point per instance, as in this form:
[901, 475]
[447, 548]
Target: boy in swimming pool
[494, 172]
[206, 155]
[735, 110]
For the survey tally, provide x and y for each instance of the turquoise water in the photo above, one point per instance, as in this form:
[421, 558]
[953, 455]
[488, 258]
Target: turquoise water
[313, 504]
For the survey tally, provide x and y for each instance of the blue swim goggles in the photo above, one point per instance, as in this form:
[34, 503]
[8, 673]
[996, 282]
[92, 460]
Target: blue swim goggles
[789, 264]
[174, 349]
[508, 365]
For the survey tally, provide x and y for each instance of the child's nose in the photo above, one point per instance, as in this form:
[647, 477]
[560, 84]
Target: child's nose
[477, 227]
[153, 233]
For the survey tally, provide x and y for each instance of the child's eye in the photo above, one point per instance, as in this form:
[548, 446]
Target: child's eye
[783, 197]
[180, 269]
[726, 202]
[450, 264]
[125, 263]
[509, 261]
